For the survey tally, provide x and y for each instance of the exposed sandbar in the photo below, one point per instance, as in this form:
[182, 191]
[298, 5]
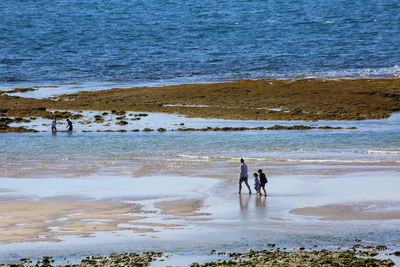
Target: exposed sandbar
[368, 210]
[293, 99]
[24, 221]
[181, 207]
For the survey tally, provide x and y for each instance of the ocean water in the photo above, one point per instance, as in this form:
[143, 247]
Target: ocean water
[375, 144]
[128, 43]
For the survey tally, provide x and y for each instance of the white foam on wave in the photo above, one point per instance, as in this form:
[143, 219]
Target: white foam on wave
[203, 158]
[339, 161]
[390, 152]
[352, 161]
[371, 73]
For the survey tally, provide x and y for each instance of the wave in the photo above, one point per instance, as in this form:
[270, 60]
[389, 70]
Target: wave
[360, 161]
[292, 160]
[205, 158]
[390, 152]
[351, 73]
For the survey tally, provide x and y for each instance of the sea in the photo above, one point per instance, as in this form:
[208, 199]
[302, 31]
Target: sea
[131, 43]
[74, 45]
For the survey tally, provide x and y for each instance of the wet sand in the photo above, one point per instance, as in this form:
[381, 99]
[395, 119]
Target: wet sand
[65, 212]
[368, 210]
[181, 207]
[27, 221]
[48, 210]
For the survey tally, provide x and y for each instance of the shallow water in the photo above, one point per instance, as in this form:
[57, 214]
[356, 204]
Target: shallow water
[375, 143]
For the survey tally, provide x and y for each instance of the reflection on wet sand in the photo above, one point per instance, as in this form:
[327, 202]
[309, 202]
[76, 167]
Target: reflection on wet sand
[244, 202]
[247, 207]
[261, 201]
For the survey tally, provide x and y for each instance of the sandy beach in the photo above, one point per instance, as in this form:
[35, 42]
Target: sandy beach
[70, 218]
[166, 180]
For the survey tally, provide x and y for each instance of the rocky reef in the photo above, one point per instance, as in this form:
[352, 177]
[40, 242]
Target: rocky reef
[292, 99]
[358, 255]
[351, 257]
[125, 259]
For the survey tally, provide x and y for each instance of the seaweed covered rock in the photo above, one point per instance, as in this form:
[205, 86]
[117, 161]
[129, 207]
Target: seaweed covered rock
[300, 258]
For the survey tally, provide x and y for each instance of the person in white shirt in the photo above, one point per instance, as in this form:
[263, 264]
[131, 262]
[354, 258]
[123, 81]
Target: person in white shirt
[243, 176]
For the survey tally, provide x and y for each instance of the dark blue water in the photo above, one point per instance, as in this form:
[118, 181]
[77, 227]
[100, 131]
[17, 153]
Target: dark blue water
[135, 42]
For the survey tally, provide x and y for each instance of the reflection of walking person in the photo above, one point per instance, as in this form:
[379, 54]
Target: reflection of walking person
[263, 181]
[243, 176]
[53, 126]
[69, 125]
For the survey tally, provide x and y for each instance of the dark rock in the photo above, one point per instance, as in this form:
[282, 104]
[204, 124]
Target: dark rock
[380, 247]
[141, 115]
[76, 116]
[122, 123]
[120, 113]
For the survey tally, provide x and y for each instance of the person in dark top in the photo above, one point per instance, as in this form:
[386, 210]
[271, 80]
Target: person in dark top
[263, 181]
[53, 126]
[69, 125]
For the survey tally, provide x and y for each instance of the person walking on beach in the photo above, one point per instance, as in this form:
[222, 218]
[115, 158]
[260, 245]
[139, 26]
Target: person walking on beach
[69, 125]
[243, 176]
[53, 126]
[256, 183]
[263, 181]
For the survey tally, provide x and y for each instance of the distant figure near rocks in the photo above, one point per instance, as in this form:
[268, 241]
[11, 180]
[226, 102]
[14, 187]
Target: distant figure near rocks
[53, 126]
[243, 176]
[69, 125]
